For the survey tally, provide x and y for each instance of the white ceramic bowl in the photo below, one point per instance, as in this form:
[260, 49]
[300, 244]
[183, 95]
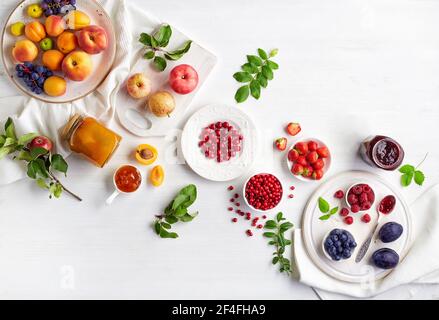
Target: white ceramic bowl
[326, 160]
[351, 186]
[245, 199]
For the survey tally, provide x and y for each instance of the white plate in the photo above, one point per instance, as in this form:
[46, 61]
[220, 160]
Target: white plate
[314, 230]
[75, 90]
[209, 168]
[134, 115]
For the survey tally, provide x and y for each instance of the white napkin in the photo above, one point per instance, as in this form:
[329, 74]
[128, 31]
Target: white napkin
[421, 264]
[31, 115]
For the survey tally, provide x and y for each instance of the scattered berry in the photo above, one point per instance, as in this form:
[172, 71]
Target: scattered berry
[291, 196]
[230, 208]
[236, 195]
[249, 233]
[259, 226]
[349, 220]
[339, 194]
[234, 220]
[292, 187]
[293, 128]
[230, 188]
[232, 200]
[281, 144]
[264, 217]
[237, 204]
[344, 212]
[365, 218]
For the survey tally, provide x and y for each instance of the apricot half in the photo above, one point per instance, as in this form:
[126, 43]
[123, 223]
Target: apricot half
[146, 154]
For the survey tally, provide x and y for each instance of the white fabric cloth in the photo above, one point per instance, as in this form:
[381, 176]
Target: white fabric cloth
[421, 264]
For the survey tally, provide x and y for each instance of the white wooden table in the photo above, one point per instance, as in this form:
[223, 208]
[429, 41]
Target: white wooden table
[349, 68]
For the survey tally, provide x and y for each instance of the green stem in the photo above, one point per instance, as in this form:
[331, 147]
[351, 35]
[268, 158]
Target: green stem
[52, 176]
[425, 157]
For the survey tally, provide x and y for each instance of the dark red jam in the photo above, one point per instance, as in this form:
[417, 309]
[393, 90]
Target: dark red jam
[383, 152]
[387, 204]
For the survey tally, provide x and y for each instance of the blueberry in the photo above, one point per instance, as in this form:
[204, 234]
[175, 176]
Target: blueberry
[329, 241]
[344, 237]
[338, 244]
[337, 258]
[339, 249]
[353, 244]
[346, 253]
[49, 73]
[334, 238]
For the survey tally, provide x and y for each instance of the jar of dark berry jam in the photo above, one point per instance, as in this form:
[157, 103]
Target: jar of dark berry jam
[382, 152]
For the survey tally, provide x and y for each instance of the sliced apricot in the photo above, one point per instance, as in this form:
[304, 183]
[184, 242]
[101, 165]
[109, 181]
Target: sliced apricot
[157, 176]
[146, 154]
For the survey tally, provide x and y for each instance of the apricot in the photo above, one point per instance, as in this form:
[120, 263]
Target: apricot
[52, 59]
[66, 42]
[77, 20]
[35, 31]
[146, 154]
[77, 65]
[55, 86]
[157, 176]
[55, 25]
[25, 51]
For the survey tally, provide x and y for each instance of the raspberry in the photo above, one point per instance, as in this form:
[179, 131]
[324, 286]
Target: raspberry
[355, 208]
[344, 212]
[352, 199]
[357, 189]
[339, 194]
[365, 218]
[349, 220]
[365, 206]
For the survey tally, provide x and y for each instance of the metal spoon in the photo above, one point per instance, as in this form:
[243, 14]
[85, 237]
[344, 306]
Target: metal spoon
[366, 244]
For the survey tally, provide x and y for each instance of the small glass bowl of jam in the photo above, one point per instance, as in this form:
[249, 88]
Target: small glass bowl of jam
[382, 152]
[127, 179]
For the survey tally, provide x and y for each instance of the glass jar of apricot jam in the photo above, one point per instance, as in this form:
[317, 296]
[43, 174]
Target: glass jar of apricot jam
[382, 152]
[88, 137]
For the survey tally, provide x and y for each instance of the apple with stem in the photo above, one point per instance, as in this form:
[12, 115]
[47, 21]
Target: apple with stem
[138, 86]
[183, 79]
[40, 142]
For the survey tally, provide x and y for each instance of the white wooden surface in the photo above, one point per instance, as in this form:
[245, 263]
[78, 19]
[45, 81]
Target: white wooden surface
[349, 68]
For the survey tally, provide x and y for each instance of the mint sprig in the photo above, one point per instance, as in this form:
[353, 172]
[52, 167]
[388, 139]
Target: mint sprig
[410, 173]
[155, 44]
[278, 240]
[256, 73]
[324, 207]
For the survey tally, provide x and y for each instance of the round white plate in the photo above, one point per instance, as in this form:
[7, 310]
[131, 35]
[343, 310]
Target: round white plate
[75, 90]
[314, 230]
[209, 168]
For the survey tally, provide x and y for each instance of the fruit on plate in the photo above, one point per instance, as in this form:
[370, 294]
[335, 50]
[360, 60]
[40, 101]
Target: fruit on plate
[183, 79]
[24, 51]
[66, 42]
[146, 154]
[55, 86]
[77, 65]
[93, 39]
[52, 59]
[138, 86]
[40, 142]
[161, 103]
[390, 232]
[360, 197]
[385, 258]
[55, 25]
[77, 20]
[263, 191]
[281, 144]
[33, 76]
[46, 44]
[221, 141]
[157, 176]
[17, 28]
[34, 10]
[35, 31]
[339, 244]
[293, 128]
[306, 161]
[387, 204]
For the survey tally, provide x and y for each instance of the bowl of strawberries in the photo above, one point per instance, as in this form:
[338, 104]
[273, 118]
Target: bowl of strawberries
[309, 159]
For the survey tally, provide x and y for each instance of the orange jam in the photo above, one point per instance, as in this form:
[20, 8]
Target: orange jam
[127, 179]
[90, 138]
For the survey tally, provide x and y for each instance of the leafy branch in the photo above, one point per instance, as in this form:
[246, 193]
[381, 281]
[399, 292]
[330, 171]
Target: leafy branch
[325, 208]
[41, 163]
[278, 240]
[409, 172]
[155, 44]
[177, 210]
[255, 73]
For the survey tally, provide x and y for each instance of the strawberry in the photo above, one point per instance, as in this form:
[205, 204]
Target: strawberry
[317, 174]
[301, 147]
[312, 145]
[302, 161]
[323, 152]
[307, 171]
[312, 157]
[319, 164]
[293, 128]
[281, 144]
[293, 155]
[297, 169]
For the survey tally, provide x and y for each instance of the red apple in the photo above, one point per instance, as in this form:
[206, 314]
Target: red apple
[40, 142]
[183, 79]
[93, 39]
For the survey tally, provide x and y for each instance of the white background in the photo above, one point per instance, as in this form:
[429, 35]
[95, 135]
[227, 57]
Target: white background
[348, 69]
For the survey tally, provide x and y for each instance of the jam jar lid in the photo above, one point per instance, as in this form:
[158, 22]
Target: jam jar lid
[71, 126]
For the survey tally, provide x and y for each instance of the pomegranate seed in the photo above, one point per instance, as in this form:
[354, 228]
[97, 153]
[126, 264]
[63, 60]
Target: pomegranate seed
[249, 233]
[259, 226]
[236, 195]
[291, 196]
[230, 208]
[241, 214]
[264, 217]
[292, 187]
[234, 220]
[232, 200]
[237, 204]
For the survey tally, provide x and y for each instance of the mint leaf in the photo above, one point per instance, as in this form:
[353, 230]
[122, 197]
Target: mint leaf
[325, 217]
[26, 138]
[262, 54]
[407, 168]
[333, 211]
[262, 80]
[272, 65]
[406, 179]
[250, 68]
[419, 177]
[323, 205]
[243, 77]
[255, 60]
[255, 89]
[242, 94]
[267, 72]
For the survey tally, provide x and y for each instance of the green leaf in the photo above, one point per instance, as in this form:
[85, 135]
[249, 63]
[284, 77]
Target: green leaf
[323, 205]
[171, 219]
[279, 216]
[154, 42]
[2, 140]
[59, 164]
[10, 129]
[285, 226]
[191, 192]
[333, 211]
[166, 225]
[406, 179]
[262, 80]
[179, 212]
[149, 55]
[36, 152]
[255, 89]
[57, 190]
[270, 224]
[145, 39]
[407, 168]
[163, 35]
[9, 142]
[39, 168]
[269, 235]
[157, 227]
[419, 177]
[242, 94]
[272, 65]
[177, 54]
[31, 173]
[250, 68]
[325, 217]
[188, 217]
[267, 72]
[24, 155]
[179, 200]
[24, 139]
[5, 151]
[166, 234]
[243, 77]
[275, 260]
[42, 183]
[273, 53]
[262, 54]
[255, 60]
[159, 63]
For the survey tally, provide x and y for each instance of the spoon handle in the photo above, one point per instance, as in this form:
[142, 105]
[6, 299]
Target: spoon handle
[366, 244]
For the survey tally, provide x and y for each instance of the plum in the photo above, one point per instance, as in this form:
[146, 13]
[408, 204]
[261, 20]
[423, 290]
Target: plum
[385, 258]
[390, 231]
